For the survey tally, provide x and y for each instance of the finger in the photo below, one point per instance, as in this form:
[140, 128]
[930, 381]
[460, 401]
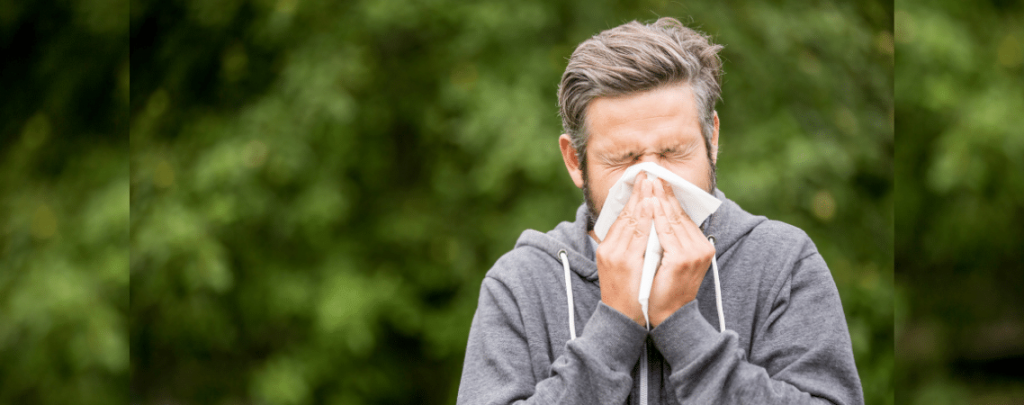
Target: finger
[688, 230]
[638, 242]
[668, 204]
[626, 221]
[662, 189]
[667, 234]
[634, 197]
[647, 188]
[670, 210]
[622, 222]
[630, 206]
[678, 219]
[670, 195]
[642, 230]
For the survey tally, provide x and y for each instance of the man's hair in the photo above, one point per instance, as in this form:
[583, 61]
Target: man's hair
[634, 58]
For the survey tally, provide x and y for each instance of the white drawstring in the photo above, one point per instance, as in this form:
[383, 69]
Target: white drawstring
[568, 295]
[718, 288]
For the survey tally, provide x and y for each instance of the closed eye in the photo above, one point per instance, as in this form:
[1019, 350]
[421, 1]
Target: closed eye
[680, 152]
[625, 159]
[674, 153]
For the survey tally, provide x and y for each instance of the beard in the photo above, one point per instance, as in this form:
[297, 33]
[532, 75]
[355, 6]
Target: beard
[588, 196]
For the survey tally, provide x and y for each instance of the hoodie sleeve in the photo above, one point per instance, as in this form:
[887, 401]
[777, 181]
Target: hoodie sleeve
[594, 369]
[801, 353]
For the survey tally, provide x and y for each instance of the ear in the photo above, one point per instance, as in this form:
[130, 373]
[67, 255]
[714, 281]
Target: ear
[572, 162]
[714, 141]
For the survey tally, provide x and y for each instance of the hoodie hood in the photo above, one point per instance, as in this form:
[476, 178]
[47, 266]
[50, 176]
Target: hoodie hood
[727, 225]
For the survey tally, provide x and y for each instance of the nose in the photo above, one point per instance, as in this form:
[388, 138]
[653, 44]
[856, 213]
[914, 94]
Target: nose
[650, 157]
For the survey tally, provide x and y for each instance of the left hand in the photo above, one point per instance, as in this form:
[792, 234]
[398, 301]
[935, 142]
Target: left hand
[685, 261]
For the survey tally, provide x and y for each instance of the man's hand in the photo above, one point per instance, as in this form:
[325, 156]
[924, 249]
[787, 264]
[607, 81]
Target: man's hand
[685, 261]
[620, 256]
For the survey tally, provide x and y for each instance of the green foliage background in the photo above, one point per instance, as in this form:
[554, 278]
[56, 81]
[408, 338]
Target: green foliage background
[64, 204]
[960, 181]
[317, 188]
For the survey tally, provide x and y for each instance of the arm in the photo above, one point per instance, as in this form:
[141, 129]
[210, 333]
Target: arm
[594, 369]
[801, 354]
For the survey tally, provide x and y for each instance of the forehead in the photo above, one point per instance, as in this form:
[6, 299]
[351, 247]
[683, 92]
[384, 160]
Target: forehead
[662, 115]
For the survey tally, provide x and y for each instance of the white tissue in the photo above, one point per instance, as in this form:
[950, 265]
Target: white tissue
[696, 202]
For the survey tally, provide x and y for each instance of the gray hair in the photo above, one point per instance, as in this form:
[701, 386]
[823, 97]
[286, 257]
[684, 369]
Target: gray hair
[634, 58]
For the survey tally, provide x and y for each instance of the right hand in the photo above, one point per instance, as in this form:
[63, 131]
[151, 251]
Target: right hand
[620, 256]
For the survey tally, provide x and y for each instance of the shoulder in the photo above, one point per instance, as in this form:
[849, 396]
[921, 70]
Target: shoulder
[524, 262]
[774, 255]
[778, 240]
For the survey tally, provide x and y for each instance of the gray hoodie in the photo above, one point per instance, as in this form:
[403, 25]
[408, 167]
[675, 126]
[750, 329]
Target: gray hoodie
[786, 340]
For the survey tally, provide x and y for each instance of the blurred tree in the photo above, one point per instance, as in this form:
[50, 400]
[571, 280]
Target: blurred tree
[318, 188]
[960, 334]
[63, 202]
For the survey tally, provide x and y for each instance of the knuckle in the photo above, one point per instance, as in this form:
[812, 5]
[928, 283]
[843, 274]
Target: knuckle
[709, 250]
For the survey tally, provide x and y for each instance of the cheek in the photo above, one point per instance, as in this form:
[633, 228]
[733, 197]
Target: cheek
[695, 172]
[599, 191]
[600, 181]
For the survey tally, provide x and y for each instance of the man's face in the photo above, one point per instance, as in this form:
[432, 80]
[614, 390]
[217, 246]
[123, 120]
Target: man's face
[661, 126]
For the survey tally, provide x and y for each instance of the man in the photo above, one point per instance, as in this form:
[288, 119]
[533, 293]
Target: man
[646, 93]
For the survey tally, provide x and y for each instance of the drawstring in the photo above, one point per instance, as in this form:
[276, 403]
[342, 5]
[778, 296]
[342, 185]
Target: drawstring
[718, 288]
[568, 295]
